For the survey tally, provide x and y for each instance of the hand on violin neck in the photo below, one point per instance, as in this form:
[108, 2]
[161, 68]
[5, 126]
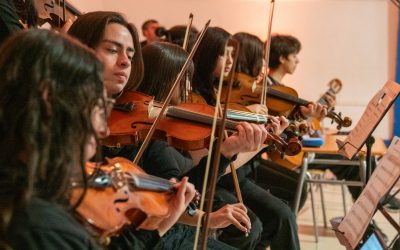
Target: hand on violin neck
[278, 124]
[330, 99]
[178, 204]
[258, 109]
[235, 214]
[249, 137]
[313, 110]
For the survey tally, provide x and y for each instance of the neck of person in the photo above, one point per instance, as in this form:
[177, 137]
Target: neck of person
[277, 74]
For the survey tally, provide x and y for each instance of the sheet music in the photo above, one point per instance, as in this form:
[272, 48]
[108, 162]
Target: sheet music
[373, 114]
[383, 178]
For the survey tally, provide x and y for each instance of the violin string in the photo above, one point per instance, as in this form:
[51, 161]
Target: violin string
[150, 178]
[148, 183]
[198, 117]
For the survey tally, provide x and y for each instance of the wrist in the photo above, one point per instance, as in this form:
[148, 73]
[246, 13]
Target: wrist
[227, 151]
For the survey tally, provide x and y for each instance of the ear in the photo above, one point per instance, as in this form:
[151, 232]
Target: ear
[282, 59]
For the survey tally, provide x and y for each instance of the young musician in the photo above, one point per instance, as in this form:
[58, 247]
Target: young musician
[169, 59]
[115, 43]
[39, 154]
[279, 224]
[251, 53]
[279, 181]
[45, 144]
[283, 61]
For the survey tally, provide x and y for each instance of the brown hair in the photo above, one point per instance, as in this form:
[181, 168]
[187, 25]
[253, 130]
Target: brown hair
[89, 29]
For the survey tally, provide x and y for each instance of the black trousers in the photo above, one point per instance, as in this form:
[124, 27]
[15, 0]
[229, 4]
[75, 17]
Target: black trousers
[279, 228]
[280, 181]
[181, 237]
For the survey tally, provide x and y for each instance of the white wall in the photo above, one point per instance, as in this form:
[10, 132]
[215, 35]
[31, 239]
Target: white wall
[353, 40]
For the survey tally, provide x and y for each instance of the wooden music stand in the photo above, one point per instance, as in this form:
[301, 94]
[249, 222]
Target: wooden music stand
[375, 111]
[351, 229]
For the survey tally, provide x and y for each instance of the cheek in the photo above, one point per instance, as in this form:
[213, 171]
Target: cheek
[217, 69]
[108, 62]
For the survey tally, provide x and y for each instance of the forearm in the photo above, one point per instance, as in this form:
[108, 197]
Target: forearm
[243, 158]
[196, 174]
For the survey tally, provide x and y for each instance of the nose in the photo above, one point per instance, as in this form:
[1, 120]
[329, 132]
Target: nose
[123, 60]
[229, 59]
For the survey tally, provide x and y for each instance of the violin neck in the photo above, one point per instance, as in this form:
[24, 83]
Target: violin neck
[149, 183]
[322, 100]
[247, 117]
[286, 97]
[180, 113]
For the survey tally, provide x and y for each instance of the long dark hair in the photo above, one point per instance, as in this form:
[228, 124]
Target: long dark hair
[162, 63]
[205, 60]
[49, 84]
[250, 54]
[89, 29]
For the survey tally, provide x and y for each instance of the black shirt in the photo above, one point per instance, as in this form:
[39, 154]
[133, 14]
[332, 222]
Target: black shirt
[166, 162]
[9, 23]
[44, 225]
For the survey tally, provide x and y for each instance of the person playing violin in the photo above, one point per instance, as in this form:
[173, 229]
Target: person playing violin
[250, 62]
[169, 58]
[40, 155]
[278, 221]
[116, 45]
[283, 61]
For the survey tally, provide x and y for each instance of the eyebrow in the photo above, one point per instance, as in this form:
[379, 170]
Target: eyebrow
[130, 49]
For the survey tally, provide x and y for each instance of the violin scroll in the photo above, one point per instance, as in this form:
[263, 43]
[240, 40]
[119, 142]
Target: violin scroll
[337, 118]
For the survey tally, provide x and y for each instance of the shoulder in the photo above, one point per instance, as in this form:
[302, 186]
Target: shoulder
[43, 225]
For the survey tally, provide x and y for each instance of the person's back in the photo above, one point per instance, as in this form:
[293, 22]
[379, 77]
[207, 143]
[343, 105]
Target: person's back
[45, 225]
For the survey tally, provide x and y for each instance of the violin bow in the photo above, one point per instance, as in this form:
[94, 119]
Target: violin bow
[236, 46]
[266, 54]
[188, 86]
[187, 32]
[217, 154]
[168, 99]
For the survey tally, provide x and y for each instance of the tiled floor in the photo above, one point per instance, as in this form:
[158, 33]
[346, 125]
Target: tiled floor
[334, 208]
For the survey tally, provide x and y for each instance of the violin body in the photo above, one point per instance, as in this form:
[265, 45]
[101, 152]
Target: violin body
[245, 91]
[117, 199]
[196, 98]
[248, 91]
[130, 128]
[186, 126]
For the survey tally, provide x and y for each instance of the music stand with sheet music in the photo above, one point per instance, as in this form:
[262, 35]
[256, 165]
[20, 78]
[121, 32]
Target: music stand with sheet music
[351, 230]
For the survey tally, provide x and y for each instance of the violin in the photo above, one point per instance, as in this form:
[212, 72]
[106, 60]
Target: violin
[186, 126]
[57, 13]
[120, 193]
[246, 90]
[282, 99]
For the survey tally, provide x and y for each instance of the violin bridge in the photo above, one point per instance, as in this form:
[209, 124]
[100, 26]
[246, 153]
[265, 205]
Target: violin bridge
[254, 86]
